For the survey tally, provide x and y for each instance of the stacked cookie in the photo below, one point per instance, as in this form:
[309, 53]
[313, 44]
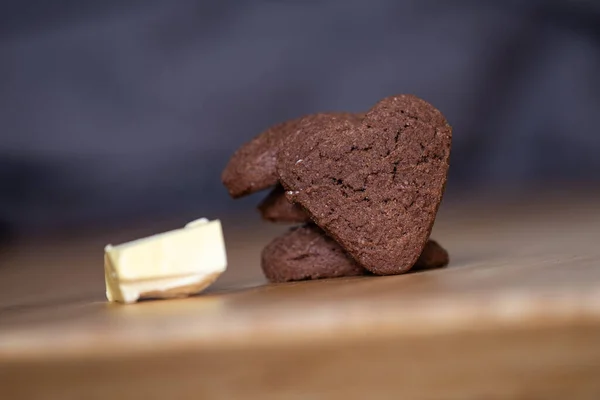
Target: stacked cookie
[366, 188]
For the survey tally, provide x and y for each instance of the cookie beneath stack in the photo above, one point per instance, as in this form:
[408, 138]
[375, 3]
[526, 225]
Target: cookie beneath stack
[366, 186]
[306, 252]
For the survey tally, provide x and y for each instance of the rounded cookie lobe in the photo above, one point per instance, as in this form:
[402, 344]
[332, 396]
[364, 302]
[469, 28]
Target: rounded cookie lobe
[253, 166]
[305, 253]
[374, 188]
[277, 208]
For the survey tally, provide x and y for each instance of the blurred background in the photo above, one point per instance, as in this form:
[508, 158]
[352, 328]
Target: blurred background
[115, 110]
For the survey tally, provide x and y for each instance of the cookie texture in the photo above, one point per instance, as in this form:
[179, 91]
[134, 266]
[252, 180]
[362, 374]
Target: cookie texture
[374, 187]
[306, 252]
[277, 208]
[253, 166]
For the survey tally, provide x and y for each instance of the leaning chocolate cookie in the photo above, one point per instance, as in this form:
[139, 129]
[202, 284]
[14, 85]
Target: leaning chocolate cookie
[277, 208]
[375, 187]
[306, 252]
[253, 166]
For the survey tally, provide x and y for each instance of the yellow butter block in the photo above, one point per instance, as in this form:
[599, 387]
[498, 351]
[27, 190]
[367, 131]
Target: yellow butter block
[171, 264]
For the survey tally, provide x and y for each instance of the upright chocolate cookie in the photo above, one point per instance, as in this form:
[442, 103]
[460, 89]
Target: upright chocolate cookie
[253, 166]
[374, 188]
[306, 252]
[277, 208]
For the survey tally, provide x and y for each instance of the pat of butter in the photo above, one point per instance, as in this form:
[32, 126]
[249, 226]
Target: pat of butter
[171, 264]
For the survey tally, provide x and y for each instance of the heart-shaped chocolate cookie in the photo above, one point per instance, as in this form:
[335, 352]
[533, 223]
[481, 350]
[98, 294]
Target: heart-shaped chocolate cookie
[374, 187]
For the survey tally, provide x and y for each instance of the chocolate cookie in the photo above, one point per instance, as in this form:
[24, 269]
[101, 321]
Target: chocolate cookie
[306, 252]
[253, 166]
[433, 256]
[375, 188]
[277, 208]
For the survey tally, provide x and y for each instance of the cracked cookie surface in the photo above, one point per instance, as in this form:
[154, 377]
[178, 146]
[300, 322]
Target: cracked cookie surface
[374, 187]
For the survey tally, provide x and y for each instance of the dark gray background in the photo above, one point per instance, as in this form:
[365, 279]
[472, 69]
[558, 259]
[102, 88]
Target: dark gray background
[130, 109]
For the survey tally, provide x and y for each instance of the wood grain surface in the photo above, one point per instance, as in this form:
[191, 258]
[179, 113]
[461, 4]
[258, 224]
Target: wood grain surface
[515, 316]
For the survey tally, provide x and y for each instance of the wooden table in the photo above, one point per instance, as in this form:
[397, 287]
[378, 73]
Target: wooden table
[515, 316]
